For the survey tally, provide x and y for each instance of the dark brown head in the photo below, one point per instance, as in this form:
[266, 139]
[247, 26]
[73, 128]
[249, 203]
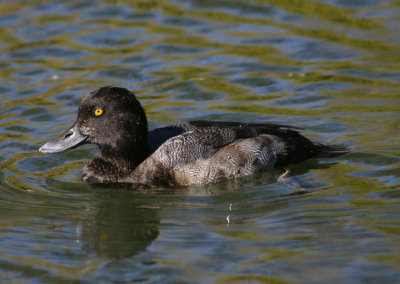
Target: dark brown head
[111, 118]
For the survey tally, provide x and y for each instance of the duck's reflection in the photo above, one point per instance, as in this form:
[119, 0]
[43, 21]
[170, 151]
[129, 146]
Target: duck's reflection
[121, 227]
[125, 222]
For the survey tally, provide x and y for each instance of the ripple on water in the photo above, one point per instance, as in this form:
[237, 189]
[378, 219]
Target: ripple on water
[330, 67]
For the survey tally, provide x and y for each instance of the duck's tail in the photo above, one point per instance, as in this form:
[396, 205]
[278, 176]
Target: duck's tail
[330, 151]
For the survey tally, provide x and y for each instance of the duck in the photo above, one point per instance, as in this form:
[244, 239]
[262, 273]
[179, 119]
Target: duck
[182, 154]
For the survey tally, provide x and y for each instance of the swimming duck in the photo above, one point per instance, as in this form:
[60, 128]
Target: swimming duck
[194, 152]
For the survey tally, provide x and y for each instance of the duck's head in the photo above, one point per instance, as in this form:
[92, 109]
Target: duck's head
[110, 117]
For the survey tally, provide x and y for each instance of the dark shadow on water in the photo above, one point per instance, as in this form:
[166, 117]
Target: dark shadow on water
[127, 219]
[121, 227]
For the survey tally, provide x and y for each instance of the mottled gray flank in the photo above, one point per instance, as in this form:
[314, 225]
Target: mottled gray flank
[206, 155]
[212, 154]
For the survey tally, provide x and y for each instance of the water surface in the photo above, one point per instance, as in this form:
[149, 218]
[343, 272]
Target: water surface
[331, 67]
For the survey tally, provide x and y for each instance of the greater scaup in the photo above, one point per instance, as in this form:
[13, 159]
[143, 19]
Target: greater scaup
[194, 152]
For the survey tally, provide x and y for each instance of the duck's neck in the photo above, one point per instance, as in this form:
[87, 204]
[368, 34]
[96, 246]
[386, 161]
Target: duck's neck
[126, 157]
[108, 167]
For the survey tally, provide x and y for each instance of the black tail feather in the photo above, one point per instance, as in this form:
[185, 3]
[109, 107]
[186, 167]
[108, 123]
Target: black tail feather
[330, 151]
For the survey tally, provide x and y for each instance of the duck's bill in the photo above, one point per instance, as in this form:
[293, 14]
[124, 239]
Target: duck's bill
[69, 139]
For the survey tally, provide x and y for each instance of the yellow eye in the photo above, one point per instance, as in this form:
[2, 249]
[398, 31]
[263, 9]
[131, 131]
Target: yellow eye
[98, 111]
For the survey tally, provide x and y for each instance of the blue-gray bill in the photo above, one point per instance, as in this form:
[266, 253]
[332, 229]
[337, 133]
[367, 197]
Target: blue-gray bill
[69, 139]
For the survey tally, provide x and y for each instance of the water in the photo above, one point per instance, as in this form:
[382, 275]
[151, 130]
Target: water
[331, 67]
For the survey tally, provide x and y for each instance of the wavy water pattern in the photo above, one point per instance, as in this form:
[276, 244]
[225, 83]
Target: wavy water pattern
[330, 67]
